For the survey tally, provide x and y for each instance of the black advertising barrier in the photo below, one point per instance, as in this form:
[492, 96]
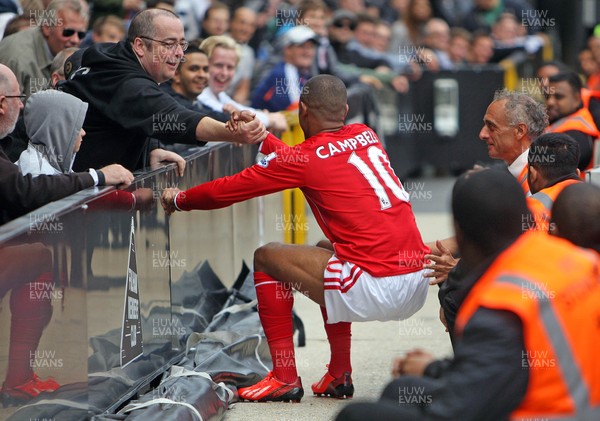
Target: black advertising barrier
[439, 120]
[102, 268]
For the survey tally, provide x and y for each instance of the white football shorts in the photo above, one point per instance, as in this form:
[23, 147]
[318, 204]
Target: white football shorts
[352, 295]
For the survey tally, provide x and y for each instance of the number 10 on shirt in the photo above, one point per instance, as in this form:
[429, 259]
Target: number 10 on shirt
[384, 173]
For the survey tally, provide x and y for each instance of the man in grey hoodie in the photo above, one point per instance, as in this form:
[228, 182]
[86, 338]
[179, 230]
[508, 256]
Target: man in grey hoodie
[53, 121]
[21, 194]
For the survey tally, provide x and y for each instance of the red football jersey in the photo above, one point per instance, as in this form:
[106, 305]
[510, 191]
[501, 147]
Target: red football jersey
[346, 177]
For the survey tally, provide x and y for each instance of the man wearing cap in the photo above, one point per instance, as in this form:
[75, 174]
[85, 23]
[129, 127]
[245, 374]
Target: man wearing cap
[280, 90]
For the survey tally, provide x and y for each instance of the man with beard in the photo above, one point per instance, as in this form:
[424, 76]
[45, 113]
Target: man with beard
[568, 115]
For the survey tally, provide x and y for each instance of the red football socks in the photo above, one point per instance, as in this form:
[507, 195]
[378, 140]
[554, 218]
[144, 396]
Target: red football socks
[275, 302]
[31, 309]
[339, 337]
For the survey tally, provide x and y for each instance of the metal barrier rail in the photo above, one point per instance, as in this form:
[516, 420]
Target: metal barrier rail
[108, 263]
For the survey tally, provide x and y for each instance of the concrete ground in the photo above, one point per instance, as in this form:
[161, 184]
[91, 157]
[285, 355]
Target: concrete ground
[374, 344]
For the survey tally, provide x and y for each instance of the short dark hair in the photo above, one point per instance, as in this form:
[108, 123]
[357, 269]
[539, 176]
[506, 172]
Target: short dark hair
[562, 67]
[194, 49]
[325, 95]
[143, 23]
[458, 32]
[215, 6]
[575, 214]
[571, 78]
[365, 18]
[489, 207]
[554, 155]
[15, 24]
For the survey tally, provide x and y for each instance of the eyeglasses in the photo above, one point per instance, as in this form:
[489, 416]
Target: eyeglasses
[171, 45]
[22, 96]
[68, 33]
[345, 24]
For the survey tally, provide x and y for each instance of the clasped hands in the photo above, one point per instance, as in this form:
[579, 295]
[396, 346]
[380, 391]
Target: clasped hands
[246, 128]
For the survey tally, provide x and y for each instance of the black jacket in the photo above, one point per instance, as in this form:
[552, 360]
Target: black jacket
[22, 194]
[126, 107]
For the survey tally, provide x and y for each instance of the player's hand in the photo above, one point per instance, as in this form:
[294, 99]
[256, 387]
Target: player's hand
[237, 116]
[117, 175]
[413, 363]
[167, 200]
[159, 156]
[246, 128]
[441, 265]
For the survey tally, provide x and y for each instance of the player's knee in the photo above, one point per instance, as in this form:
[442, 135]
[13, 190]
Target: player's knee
[262, 256]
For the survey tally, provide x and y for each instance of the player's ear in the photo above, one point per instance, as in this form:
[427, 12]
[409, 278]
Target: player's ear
[302, 110]
[346, 113]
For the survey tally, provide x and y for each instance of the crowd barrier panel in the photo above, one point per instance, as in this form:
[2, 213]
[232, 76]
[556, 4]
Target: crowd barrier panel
[116, 258]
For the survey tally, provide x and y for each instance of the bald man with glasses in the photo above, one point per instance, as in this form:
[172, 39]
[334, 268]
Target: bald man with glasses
[120, 82]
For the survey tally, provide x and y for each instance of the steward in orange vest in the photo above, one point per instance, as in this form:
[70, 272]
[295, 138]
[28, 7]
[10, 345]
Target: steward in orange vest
[568, 115]
[552, 162]
[552, 286]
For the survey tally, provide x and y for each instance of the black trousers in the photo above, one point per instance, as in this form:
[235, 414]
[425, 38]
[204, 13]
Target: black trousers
[403, 399]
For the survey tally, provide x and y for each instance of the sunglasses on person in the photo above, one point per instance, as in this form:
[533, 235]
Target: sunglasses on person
[69, 32]
[345, 24]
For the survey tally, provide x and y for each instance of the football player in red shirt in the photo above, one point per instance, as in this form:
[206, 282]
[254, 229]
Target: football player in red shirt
[371, 268]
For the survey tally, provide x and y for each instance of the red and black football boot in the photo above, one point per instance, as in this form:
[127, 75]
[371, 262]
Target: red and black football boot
[20, 394]
[270, 389]
[340, 388]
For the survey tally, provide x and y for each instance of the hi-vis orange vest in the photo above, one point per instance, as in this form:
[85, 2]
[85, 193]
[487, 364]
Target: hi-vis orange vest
[523, 180]
[540, 204]
[554, 288]
[580, 120]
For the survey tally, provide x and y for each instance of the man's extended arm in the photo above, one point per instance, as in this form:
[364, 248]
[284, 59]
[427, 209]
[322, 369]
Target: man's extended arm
[21, 194]
[211, 130]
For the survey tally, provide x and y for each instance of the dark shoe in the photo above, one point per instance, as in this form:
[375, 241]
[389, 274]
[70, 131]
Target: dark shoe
[340, 388]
